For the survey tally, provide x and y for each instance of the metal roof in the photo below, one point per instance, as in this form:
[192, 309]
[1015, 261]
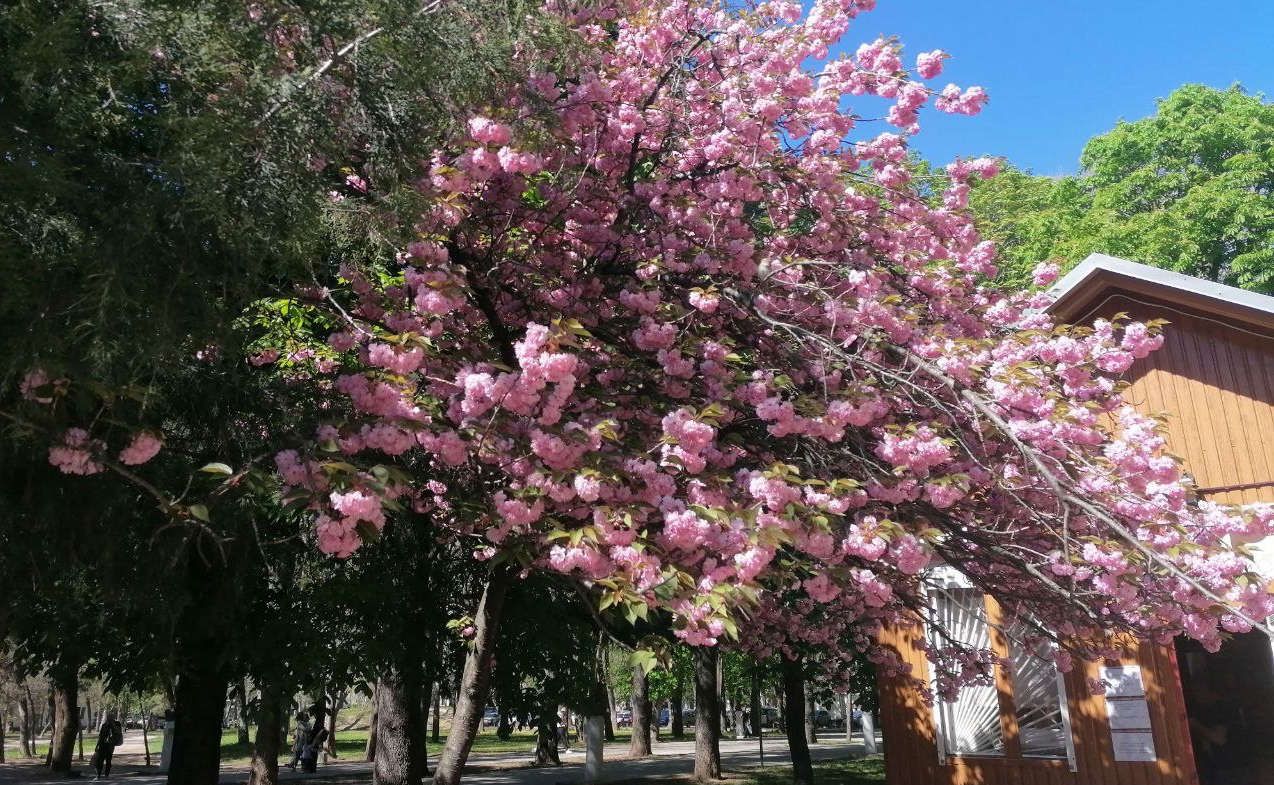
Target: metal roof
[1099, 272]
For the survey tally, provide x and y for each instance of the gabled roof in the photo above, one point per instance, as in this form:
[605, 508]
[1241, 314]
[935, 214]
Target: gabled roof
[1077, 293]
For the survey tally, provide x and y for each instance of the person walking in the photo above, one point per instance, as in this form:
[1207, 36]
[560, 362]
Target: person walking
[109, 737]
[302, 736]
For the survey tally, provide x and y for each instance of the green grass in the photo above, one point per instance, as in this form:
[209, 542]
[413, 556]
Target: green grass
[352, 744]
[864, 771]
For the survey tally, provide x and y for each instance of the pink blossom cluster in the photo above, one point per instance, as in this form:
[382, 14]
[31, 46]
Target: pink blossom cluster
[141, 449]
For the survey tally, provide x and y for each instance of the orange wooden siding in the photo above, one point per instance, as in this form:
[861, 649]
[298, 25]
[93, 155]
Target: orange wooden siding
[911, 753]
[1214, 379]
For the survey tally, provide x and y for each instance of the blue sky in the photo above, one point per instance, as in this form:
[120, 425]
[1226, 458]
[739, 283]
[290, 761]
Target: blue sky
[1061, 71]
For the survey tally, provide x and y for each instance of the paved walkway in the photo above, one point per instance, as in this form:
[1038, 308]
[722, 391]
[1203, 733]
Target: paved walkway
[669, 759]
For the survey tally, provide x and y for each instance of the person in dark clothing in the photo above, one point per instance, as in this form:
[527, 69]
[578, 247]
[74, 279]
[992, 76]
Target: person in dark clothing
[108, 738]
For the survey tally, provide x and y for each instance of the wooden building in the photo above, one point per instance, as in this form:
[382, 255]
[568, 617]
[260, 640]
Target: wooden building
[1171, 715]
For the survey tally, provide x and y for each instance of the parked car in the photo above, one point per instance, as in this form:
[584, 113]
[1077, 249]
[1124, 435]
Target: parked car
[490, 717]
[624, 717]
[665, 717]
[688, 717]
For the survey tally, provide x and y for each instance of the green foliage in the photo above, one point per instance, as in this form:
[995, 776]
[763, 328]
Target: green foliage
[1188, 189]
[167, 163]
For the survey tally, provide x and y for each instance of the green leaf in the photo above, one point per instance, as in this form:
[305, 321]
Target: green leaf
[216, 468]
[200, 511]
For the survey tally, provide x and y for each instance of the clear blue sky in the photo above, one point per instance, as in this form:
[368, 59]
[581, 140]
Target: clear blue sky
[1061, 71]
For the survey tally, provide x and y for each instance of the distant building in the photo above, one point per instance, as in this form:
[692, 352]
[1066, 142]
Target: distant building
[1171, 715]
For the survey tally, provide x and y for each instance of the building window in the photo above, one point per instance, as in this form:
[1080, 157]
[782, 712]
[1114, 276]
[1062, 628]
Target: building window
[970, 725]
[1038, 695]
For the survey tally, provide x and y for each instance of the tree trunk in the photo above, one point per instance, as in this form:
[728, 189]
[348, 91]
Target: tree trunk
[794, 708]
[546, 735]
[369, 752]
[811, 719]
[337, 703]
[26, 721]
[241, 698]
[612, 716]
[678, 704]
[758, 724]
[437, 729]
[197, 713]
[707, 716]
[400, 738]
[472, 696]
[640, 746]
[66, 721]
[270, 731]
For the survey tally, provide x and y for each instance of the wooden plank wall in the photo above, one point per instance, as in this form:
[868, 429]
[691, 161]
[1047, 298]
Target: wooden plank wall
[1215, 381]
[911, 754]
[1216, 384]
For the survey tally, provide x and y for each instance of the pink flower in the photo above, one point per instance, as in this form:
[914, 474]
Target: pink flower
[143, 447]
[929, 64]
[486, 130]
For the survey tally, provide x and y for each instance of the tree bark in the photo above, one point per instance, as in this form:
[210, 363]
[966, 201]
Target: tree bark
[337, 703]
[640, 746]
[678, 706]
[66, 721]
[811, 719]
[197, 713]
[546, 735]
[474, 683]
[400, 728]
[26, 721]
[794, 708]
[241, 699]
[758, 724]
[612, 716]
[707, 716]
[270, 730]
[369, 752]
[437, 729]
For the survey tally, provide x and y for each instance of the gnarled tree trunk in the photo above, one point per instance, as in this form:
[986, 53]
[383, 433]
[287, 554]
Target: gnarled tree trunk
[399, 758]
[66, 721]
[794, 707]
[270, 733]
[476, 678]
[707, 716]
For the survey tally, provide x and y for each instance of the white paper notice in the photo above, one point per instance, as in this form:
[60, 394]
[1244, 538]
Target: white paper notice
[1133, 745]
[1123, 681]
[1129, 714]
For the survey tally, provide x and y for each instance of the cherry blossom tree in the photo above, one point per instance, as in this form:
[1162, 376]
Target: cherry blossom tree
[688, 337]
[681, 324]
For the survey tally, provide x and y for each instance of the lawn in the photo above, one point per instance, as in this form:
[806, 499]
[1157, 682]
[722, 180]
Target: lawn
[352, 744]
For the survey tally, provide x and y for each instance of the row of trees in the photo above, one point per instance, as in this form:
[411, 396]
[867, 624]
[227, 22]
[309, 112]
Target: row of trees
[556, 327]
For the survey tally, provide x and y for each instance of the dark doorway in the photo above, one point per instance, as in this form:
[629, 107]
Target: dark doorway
[1230, 705]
